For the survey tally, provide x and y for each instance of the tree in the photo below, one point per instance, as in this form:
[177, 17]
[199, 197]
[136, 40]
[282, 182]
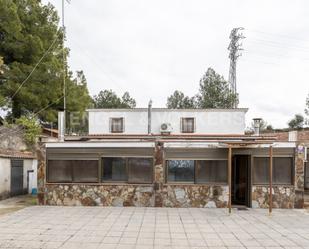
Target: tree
[214, 92]
[179, 101]
[109, 99]
[297, 122]
[29, 33]
[32, 129]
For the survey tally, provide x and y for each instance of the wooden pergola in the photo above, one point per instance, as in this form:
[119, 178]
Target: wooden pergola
[249, 144]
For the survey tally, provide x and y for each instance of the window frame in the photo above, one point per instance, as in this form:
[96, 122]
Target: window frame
[194, 182]
[292, 182]
[111, 124]
[71, 171]
[127, 169]
[182, 125]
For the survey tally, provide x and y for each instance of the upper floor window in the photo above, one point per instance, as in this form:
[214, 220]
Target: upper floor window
[187, 125]
[116, 125]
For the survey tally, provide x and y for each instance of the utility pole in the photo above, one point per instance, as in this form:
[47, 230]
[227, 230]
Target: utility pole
[64, 67]
[235, 47]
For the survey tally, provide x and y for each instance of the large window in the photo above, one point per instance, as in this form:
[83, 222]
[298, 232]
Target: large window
[116, 125]
[211, 171]
[197, 171]
[180, 170]
[72, 171]
[187, 125]
[132, 170]
[282, 170]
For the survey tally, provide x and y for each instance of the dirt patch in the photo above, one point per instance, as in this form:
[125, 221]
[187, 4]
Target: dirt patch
[16, 203]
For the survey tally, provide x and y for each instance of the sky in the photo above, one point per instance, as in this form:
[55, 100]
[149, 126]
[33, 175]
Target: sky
[151, 48]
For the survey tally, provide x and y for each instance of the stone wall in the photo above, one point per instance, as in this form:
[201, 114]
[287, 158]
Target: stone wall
[283, 196]
[100, 195]
[299, 175]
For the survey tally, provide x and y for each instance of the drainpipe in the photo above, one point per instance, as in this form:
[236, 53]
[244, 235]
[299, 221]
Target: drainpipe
[61, 126]
[149, 116]
[257, 123]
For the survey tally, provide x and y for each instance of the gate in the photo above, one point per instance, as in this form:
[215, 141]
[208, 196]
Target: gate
[17, 177]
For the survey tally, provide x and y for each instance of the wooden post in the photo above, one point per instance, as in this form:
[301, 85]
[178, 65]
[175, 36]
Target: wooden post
[230, 178]
[270, 179]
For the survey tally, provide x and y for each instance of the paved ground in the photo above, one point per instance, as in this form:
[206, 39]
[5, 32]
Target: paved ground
[98, 227]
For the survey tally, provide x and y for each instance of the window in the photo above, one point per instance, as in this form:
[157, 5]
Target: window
[85, 171]
[282, 170]
[132, 170]
[73, 171]
[59, 171]
[187, 125]
[116, 125]
[140, 170]
[211, 171]
[180, 170]
[114, 169]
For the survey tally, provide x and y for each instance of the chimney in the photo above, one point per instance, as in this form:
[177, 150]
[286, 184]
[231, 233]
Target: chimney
[257, 123]
[149, 116]
[61, 126]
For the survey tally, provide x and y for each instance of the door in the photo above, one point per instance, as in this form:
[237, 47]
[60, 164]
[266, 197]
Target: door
[240, 180]
[17, 177]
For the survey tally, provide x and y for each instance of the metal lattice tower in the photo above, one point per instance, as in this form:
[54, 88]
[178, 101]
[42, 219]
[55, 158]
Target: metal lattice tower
[235, 47]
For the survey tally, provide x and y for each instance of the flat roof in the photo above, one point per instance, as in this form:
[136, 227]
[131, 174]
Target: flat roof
[166, 110]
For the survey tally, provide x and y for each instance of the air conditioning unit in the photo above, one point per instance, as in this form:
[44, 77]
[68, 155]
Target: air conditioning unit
[166, 128]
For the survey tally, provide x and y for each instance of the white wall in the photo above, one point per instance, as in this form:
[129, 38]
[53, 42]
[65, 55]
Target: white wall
[5, 176]
[136, 120]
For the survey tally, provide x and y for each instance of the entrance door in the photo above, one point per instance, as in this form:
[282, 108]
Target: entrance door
[307, 175]
[240, 180]
[17, 177]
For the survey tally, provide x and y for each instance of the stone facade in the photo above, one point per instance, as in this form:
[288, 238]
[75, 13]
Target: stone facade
[282, 196]
[100, 195]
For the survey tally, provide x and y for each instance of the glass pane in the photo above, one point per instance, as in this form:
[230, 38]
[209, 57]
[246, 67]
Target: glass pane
[282, 170]
[188, 125]
[140, 170]
[211, 171]
[261, 170]
[181, 170]
[85, 170]
[114, 169]
[59, 171]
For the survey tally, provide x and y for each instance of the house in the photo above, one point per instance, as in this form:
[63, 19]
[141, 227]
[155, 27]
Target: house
[160, 157]
[17, 173]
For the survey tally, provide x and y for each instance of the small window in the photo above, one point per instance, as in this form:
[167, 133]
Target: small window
[140, 170]
[282, 170]
[180, 170]
[114, 169]
[187, 125]
[116, 125]
[211, 171]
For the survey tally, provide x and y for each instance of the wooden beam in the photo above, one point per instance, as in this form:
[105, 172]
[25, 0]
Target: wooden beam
[230, 178]
[270, 179]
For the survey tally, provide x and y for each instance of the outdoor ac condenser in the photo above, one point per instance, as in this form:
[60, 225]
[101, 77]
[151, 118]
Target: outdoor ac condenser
[166, 128]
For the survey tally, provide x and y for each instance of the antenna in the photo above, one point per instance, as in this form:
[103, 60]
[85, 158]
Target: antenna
[234, 47]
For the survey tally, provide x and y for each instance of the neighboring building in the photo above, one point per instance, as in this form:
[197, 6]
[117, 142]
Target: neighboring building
[17, 173]
[171, 158]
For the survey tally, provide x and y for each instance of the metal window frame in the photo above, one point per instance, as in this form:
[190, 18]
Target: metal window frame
[267, 181]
